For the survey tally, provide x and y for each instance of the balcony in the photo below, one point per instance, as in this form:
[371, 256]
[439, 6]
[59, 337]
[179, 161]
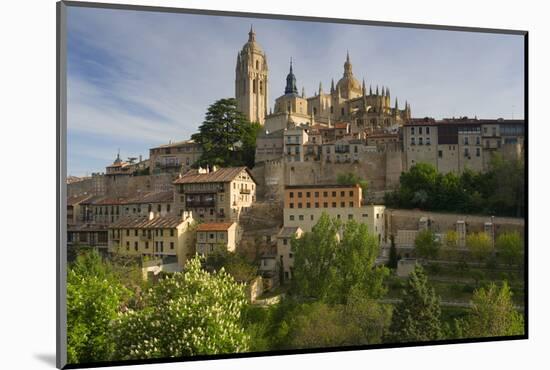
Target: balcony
[200, 204]
[245, 191]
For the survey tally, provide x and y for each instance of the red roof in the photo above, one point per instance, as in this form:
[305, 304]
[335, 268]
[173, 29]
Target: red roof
[214, 226]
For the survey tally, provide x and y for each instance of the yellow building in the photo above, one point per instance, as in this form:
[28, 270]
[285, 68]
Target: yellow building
[166, 237]
[174, 157]
[216, 195]
[284, 252]
[216, 236]
[305, 204]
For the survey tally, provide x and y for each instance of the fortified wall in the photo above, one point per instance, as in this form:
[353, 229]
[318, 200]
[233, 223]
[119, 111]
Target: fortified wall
[381, 169]
[400, 219]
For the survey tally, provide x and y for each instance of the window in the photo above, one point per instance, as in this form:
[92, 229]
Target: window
[342, 204]
[291, 194]
[333, 193]
[168, 208]
[350, 217]
[299, 205]
[333, 204]
[427, 130]
[291, 217]
[308, 194]
[161, 232]
[478, 140]
[127, 232]
[478, 152]
[494, 131]
[412, 130]
[299, 194]
[301, 217]
[158, 208]
[171, 245]
[308, 205]
[311, 217]
[127, 246]
[257, 64]
[440, 153]
[171, 232]
[419, 141]
[412, 141]
[316, 194]
[285, 241]
[325, 205]
[428, 141]
[211, 236]
[254, 86]
[377, 216]
[136, 246]
[466, 152]
[420, 131]
[146, 245]
[342, 193]
[465, 140]
[325, 193]
[351, 204]
[351, 193]
[484, 130]
[316, 204]
[291, 205]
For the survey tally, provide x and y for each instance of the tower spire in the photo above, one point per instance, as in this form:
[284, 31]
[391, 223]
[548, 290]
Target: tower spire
[320, 88]
[291, 81]
[364, 88]
[370, 89]
[251, 34]
[332, 85]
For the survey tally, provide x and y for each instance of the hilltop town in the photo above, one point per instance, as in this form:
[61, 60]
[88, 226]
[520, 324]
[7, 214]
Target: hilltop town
[341, 152]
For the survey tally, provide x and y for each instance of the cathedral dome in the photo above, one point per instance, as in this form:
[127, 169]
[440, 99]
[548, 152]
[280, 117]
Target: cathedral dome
[348, 84]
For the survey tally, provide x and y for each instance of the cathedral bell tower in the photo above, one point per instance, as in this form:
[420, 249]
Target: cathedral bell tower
[251, 80]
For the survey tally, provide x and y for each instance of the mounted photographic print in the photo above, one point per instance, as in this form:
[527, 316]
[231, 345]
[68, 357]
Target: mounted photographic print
[236, 184]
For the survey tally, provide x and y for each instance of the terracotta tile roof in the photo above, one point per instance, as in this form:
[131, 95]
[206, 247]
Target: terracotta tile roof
[341, 125]
[214, 226]
[152, 197]
[143, 222]
[71, 201]
[176, 144]
[227, 174]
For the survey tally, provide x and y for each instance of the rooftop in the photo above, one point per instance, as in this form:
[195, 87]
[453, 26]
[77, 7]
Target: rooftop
[287, 232]
[175, 144]
[143, 222]
[319, 186]
[215, 226]
[227, 174]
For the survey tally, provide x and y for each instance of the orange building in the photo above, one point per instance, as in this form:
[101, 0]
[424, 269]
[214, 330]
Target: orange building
[323, 196]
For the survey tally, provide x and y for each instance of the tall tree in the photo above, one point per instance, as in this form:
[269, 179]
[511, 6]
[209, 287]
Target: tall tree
[492, 314]
[94, 297]
[186, 314]
[351, 178]
[393, 258]
[355, 263]
[417, 316]
[480, 245]
[510, 247]
[227, 138]
[426, 245]
[314, 259]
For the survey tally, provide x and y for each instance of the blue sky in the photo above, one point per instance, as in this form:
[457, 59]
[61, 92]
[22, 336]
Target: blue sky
[140, 79]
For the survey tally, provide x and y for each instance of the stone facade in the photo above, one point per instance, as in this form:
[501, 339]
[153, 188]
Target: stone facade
[174, 158]
[215, 195]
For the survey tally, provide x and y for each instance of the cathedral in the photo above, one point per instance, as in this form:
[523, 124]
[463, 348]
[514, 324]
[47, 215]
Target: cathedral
[348, 101]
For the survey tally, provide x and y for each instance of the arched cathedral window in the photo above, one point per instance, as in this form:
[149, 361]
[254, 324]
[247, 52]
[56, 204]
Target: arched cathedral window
[254, 86]
[257, 64]
[261, 87]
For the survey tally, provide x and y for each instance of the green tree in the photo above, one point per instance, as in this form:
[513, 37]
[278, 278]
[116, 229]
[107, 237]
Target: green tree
[314, 260]
[234, 264]
[226, 137]
[393, 258]
[355, 263]
[417, 316]
[492, 314]
[351, 178]
[186, 314]
[480, 246]
[510, 247]
[426, 244]
[94, 296]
